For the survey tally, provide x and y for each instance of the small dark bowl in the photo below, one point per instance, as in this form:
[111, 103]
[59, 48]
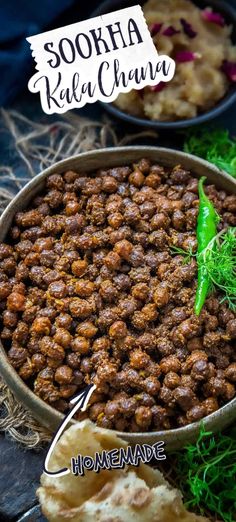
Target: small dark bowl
[229, 14]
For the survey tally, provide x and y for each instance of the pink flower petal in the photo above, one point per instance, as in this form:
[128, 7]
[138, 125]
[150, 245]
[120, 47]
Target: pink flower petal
[187, 27]
[229, 68]
[170, 31]
[158, 88]
[155, 29]
[214, 18]
[185, 56]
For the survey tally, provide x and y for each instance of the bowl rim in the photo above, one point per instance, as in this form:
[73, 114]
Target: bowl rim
[46, 414]
[222, 105]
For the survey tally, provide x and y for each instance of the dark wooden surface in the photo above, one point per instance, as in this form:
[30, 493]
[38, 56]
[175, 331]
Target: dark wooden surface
[20, 472]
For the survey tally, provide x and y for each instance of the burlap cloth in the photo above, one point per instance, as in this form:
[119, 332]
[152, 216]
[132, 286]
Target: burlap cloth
[33, 147]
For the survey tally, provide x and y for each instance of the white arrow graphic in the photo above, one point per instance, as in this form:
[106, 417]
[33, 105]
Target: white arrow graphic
[80, 403]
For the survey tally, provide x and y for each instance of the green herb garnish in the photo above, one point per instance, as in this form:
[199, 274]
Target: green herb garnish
[187, 254]
[206, 474]
[214, 145]
[219, 259]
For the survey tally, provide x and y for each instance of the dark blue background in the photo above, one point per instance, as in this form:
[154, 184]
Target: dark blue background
[22, 18]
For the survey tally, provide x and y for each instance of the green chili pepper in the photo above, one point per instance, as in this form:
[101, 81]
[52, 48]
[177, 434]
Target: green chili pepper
[206, 230]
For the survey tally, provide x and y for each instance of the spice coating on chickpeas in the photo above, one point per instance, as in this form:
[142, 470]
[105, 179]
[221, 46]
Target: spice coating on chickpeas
[91, 292]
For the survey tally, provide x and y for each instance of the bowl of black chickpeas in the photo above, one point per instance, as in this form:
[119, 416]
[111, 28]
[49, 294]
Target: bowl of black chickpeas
[95, 288]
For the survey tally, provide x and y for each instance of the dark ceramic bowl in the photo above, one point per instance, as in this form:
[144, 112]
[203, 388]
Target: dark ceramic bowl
[89, 162]
[229, 14]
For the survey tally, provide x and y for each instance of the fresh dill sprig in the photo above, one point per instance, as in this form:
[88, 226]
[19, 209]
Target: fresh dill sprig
[187, 254]
[219, 258]
[206, 473]
[214, 145]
